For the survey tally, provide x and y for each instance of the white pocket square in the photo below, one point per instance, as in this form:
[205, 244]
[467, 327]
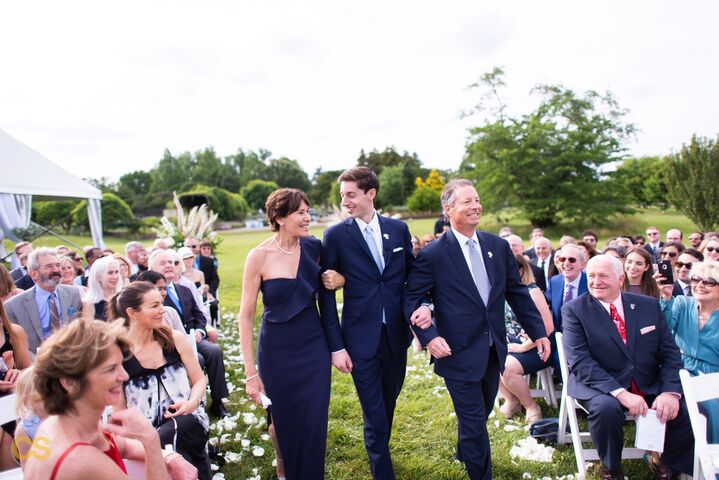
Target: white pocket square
[398, 249]
[646, 330]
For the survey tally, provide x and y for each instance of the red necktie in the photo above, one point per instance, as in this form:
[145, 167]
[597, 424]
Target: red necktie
[622, 329]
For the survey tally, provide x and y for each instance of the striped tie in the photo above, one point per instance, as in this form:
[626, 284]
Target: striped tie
[54, 316]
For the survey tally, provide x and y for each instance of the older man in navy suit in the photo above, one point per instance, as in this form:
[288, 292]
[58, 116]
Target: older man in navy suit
[623, 358]
[374, 254]
[571, 284]
[468, 275]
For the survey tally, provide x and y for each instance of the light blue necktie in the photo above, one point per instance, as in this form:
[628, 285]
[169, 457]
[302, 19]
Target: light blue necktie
[479, 271]
[373, 247]
[173, 296]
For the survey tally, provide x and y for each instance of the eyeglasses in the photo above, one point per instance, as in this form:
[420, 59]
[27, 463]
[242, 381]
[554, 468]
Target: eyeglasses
[708, 282]
[652, 233]
[712, 249]
[567, 259]
[192, 246]
[177, 262]
[679, 265]
[669, 254]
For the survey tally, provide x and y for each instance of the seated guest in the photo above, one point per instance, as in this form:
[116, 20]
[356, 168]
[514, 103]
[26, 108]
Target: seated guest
[180, 298]
[589, 250]
[170, 317]
[206, 250]
[710, 248]
[67, 271]
[92, 254]
[624, 242]
[566, 239]
[29, 412]
[639, 240]
[614, 251]
[19, 260]
[416, 245]
[185, 281]
[77, 263]
[695, 239]
[14, 357]
[571, 284]
[639, 273]
[132, 249]
[7, 285]
[694, 322]
[48, 305]
[590, 238]
[534, 235]
[671, 251]
[124, 269]
[674, 236]
[522, 358]
[102, 284]
[682, 267]
[622, 359]
[517, 246]
[165, 381]
[544, 258]
[78, 372]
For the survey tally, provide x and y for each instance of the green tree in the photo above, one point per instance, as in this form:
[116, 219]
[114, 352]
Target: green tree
[390, 157]
[116, 214]
[548, 163]
[172, 173]
[392, 187]
[256, 193]
[209, 169]
[133, 187]
[424, 199]
[249, 165]
[643, 179]
[288, 174]
[54, 212]
[691, 178]
[322, 182]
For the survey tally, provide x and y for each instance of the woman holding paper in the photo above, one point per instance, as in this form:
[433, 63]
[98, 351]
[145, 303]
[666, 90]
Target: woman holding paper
[293, 354]
[694, 321]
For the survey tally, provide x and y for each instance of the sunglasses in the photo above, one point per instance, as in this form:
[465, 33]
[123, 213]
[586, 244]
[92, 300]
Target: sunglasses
[670, 254]
[679, 265]
[708, 282]
[567, 259]
[652, 233]
[192, 246]
[712, 249]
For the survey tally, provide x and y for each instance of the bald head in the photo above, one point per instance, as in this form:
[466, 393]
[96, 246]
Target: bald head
[516, 244]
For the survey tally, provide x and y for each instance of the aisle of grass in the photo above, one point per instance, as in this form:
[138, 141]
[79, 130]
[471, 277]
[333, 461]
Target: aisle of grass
[424, 433]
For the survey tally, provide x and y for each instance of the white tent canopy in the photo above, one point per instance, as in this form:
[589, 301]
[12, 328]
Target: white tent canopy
[25, 173]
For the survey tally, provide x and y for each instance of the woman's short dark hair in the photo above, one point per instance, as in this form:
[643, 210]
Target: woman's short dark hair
[132, 297]
[71, 353]
[150, 276]
[281, 203]
[365, 178]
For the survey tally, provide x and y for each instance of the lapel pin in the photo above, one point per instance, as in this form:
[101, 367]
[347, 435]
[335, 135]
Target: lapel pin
[490, 254]
[631, 305]
[386, 236]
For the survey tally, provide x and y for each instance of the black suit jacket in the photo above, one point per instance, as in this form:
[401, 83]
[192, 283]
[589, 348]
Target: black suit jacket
[212, 278]
[539, 277]
[191, 315]
[25, 283]
[648, 248]
[600, 363]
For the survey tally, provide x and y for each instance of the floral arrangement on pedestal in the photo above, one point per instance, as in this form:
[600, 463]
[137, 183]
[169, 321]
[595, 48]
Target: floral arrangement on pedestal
[198, 222]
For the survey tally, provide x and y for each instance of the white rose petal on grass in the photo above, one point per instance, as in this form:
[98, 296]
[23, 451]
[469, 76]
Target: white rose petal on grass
[496, 423]
[233, 457]
[529, 449]
[218, 476]
[214, 441]
[258, 451]
[264, 437]
[510, 428]
[249, 418]
[245, 442]
[526, 475]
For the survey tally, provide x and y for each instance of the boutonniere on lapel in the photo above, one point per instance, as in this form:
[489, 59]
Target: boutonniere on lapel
[386, 236]
[631, 305]
[490, 254]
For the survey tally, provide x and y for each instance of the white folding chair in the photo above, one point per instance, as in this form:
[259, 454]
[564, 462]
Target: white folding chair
[7, 408]
[700, 389]
[544, 387]
[14, 474]
[193, 341]
[568, 412]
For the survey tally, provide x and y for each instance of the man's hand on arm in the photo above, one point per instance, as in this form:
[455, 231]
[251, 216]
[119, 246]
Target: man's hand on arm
[422, 317]
[439, 348]
[634, 403]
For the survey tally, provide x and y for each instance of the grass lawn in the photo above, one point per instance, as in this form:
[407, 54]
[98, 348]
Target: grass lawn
[424, 434]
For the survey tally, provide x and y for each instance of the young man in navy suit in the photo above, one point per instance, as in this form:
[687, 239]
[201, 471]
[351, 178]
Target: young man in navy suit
[374, 254]
[621, 359]
[468, 274]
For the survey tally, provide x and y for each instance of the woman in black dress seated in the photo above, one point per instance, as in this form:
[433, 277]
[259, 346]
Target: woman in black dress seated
[293, 354]
[102, 284]
[165, 379]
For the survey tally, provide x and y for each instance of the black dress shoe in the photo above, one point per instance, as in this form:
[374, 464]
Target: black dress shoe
[607, 475]
[662, 472]
[219, 410]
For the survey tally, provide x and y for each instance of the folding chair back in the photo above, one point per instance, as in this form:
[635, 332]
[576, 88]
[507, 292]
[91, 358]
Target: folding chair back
[700, 389]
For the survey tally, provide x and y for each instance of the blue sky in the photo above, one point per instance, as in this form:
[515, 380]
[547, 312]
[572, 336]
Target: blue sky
[103, 89]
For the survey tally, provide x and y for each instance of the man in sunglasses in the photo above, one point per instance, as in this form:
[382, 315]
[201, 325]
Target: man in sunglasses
[682, 267]
[671, 251]
[570, 284]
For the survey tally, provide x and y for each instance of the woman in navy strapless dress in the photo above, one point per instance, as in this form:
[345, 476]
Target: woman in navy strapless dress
[293, 355]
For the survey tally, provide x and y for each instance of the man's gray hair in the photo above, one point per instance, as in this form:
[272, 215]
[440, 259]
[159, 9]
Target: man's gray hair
[153, 258]
[613, 261]
[33, 259]
[129, 246]
[191, 237]
[577, 248]
[450, 188]
[543, 240]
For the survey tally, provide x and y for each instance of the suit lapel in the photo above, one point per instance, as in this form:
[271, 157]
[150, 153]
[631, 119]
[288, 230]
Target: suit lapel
[457, 256]
[631, 323]
[355, 233]
[386, 245]
[31, 309]
[608, 324]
